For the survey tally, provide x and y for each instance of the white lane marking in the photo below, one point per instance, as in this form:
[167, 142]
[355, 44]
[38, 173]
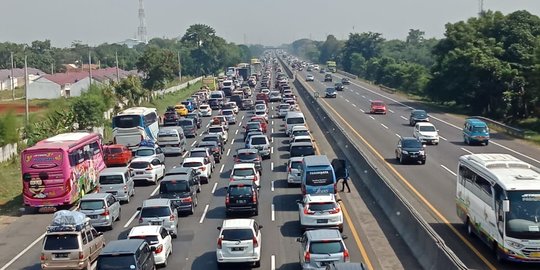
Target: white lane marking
[243, 117]
[272, 130]
[236, 132]
[202, 133]
[354, 105]
[467, 150]
[390, 111]
[194, 142]
[403, 117]
[214, 188]
[207, 125]
[8, 264]
[272, 122]
[357, 93]
[273, 213]
[273, 262]
[347, 100]
[362, 110]
[443, 138]
[204, 214]
[131, 219]
[185, 153]
[448, 170]
[364, 96]
[272, 166]
[384, 126]
[272, 185]
[154, 191]
[399, 136]
[272, 139]
[272, 150]
[371, 117]
[228, 152]
[222, 166]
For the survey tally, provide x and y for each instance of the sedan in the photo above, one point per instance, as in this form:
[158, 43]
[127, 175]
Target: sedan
[310, 78]
[377, 106]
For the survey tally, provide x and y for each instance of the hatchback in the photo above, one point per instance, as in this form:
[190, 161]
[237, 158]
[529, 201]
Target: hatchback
[204, 153]
[205, 111]
[320, 211]
[116, 155]
[170, 118]
[418, 116]
[261, 143]
[158, 238]
[249, 156]
[102, 209]
[301, 149]
[160, 212]
[148, 169]
[118, 182]
[241, 197]
[201, 165]
[245, 171]
[294, 168]
[323, 247]
[262, 120]
[239, 241]
[215, 138]
[150, 149]
[377, 106]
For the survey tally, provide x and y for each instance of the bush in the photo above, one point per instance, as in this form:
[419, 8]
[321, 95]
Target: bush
[9, 129]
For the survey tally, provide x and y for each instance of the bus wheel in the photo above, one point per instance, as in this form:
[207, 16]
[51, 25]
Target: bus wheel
[470, 231]
[498, 255]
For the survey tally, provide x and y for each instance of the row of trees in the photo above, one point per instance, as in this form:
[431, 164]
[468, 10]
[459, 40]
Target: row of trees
[489, 65]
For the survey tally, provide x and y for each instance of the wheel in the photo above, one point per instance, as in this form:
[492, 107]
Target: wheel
[256, 212]
[88, 265]
[257, 264]
[133, 192]
[422, 162]
[155, 180]
[486, 143]
[470, 230]
[196, 200]
[401, 160]
[119, 215]
[397, 157]
[165, 263]
[192, 210]
[128, 198]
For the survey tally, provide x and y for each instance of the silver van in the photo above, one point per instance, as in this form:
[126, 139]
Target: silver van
[117, 181]
[102, 209]
[159, 212]
[172, 140]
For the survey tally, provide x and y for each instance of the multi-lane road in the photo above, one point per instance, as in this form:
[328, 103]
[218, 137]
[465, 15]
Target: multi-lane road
[430, 187]
[370, 240]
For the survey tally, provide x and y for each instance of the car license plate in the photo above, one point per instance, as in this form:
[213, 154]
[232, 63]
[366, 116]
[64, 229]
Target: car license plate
[92, 216]
[155, 222]
[325, 263]
[61, 255]
[535, 255]
[240, 201]
[139, 172]
[322, 220]
[413, 155]
[237, 249]
[112, 192]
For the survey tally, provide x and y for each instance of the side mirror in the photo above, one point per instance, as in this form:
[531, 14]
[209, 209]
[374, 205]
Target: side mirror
[344, 237]
[506, 206]
[153, 248]
[219, 228]
[139, 208]
[298, 239]
[339, 200]
[260, 227]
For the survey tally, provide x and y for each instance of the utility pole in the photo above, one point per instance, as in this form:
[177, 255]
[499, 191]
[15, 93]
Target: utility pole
[26, 82]
[52, 68]
[12, 80]
[117, 69]
[179, 67]
[90, 66]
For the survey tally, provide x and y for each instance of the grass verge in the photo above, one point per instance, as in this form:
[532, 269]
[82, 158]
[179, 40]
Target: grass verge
[161, 103]
[8, 94]
[10, 187]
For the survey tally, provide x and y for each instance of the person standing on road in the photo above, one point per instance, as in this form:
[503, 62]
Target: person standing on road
[345, 180]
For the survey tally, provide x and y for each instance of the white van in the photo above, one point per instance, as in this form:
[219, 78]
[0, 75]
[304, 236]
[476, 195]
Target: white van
[172, 140]
[219, 95]
[294, 119]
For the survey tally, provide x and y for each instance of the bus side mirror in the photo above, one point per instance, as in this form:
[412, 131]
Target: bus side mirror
[506, 206]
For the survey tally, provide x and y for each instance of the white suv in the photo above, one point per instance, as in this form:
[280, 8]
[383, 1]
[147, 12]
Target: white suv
[320, 211]
[202, 165]
[157, 237]
[239, 241]
[246, 171]
[215, 129]
[149, 169]
[426, 132]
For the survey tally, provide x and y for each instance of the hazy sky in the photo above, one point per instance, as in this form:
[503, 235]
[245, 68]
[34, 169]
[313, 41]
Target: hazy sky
[269, 22]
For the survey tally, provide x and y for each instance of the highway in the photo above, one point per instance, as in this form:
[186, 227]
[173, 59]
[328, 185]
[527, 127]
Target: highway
[431, 187]
[372, 240]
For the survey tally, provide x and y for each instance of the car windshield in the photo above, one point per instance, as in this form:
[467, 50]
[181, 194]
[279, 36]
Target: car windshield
[237, 234]
[239, 190]
[260, 113]
[111, 179]
[243, 172]
[319, 178]
[296, 165]
[192, 164]
[295, 120]
[185, 122]
[92, 204]
[156, 211]
[150, 239]
[326, 247]
[411, 144]
[144, 152]
[116, 262]
[300, 151]
[215, 130]
[427, 128]
[324, 206]
[258, 140]
[523, 220]
[61, 242]
[138, 165]
[173, 186]
[419, 114]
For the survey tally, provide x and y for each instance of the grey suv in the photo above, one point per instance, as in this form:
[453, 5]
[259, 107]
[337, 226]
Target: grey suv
[159, 212]
[181, 191]
[320, 248]
[102, 208]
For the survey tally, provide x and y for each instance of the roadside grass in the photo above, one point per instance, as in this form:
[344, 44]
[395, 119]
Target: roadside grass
[8, 94]
[10, 187]
[532, 128]
[161, 103]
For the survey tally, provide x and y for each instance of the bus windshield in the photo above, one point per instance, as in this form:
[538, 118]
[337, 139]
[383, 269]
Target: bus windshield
[127, 121]
[523, 220]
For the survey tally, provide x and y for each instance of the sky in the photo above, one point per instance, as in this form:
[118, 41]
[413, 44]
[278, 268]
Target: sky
[268, 22]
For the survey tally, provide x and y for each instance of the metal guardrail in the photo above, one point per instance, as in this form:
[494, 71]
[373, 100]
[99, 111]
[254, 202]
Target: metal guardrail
[516, 132]
[344, 73]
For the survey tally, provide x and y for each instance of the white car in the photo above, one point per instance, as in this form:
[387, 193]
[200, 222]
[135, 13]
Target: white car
[234, 107]
[283, 109]
[203, 166]
[301, 138]
[205, 110]
[263, 114]
[294, 167]
[149, 169]
[239, 241]
[426, 132]
[320, 211]
[245, 171]
[158, 238]
[310, 78]
[265, 91]
[299, 131]
[215, 129]
[261, 107]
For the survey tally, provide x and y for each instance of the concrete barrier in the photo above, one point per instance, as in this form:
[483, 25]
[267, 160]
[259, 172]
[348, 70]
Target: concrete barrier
[428, 247]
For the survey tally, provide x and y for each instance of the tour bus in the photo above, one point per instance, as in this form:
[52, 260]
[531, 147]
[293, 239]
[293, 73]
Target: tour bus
[135, 124]
[59, 170]
[498, 199]
[318, 175]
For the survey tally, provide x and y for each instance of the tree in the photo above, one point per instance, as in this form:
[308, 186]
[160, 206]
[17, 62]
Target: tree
[197, 34]
[130, 91]
[159, 67]
[330, 49]
[415, 36]
[88, 109]
[367, 44]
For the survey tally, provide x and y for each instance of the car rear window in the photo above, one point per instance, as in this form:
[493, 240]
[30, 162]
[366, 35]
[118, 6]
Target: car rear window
[215, 130]
[296, 165]
[302, 140]
[237, 234]
[427, 128]
[111, 179]
[113, 150]
[204, 107]
[324, 206]
[197, 154]
[158, 211]
[295, 120]
[92, 204]
[167, 135]
[253, 126]
[326, 247]
[243, 172]
[319, 178]
[139, 165]
[247, 156]
[260, 113]
[173, 187]
[239, 190]
[258, 140]
[300, 132]
[227, 112]
[185, 122]
[144, 152]
[115, 262]
[284, 107]
[150, 239]
[300, 151]
[61, 242]
[192, 164]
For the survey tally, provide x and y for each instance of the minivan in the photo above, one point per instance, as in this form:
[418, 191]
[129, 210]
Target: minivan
[317, 175]
[172, 140]
[219, 95]
[475, 131]
[102, 209]
[126, 254]
[117, 181]
[294, 119]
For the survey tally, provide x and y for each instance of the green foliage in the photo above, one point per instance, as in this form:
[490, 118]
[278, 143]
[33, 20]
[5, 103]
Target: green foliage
[88, 109]
[158, 65]
[9, 129]
[129, 91]
[330, 49]
[367, 44]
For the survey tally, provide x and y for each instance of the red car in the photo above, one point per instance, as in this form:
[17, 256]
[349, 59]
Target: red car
[264, 123]
[377, 106]
[263, 96]
[116, 155]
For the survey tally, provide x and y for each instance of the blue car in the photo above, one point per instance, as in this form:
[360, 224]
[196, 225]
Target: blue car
[475, 131]
[189, 105]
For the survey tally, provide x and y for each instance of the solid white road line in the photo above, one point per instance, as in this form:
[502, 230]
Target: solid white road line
[347, 100]
[214, 188]
[273, 213]
[8, 264]
[228, 151]
[194, 142]
[272, 150]
[467, 150]
[185, 153]
[390, 111]
[371, 117]
[362, 110]
[357, 93]
[403, 117]
[272, 122]
[222, 166]
[131, 219]
[272, 166]
[272, 185]
[273, 262]
[384, 126]
[399, 136]
[354, 105]
[243, 117]
[441, 137]
[204, 214]
[448, 170]
[272, 130]
[154, 191]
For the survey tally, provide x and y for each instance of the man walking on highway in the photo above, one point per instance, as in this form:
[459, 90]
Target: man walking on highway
[345, 180]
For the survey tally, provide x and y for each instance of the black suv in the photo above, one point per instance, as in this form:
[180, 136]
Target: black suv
[345, 81]
[242, 196]
[214, 147]
[339, 87]
[249, 156]
[328, 77]
[418, 116]
[170, 118]
[410, 149]
[181, 191]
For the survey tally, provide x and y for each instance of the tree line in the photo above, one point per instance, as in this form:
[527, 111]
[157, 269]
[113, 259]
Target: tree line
[488, 65]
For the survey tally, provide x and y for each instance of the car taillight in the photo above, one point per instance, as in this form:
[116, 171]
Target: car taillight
[81, 255]
[159, 249]
[149, 168]
[188, 199]
[307, 257]
[219, 243]
[335, 210]
[231, 179]
[172, 217]
[254, 197]
[106, 213]
[307, 211]
[203, 168]
[255, 242]
[42, 257]
[227, 200]
[346, 256]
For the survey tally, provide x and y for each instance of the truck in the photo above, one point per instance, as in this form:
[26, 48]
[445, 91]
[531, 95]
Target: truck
[243, 70]
[331, 66]
[256, 66]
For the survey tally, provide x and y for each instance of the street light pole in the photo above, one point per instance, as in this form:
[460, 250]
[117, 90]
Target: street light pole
[90, 66]
[179, 68]
[26, 82]
[11, 79]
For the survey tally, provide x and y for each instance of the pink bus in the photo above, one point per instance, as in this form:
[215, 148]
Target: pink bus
[59, 170]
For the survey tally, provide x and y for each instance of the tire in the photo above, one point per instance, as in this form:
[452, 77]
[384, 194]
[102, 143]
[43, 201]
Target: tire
[192, 210]
[401, 160]
[470, 230]
[423, 162]
[128, 198]
[164, 265]
[119, 215]
[486, 143]
[88, 265]
[155, 180]
[257, 264]
[256, 212]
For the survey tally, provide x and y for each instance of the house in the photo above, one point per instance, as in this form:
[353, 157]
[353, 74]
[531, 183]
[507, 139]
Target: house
[72, 84]
[18, 75]
[130, 42]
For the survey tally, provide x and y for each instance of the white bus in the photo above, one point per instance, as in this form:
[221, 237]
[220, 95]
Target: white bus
[498, 198]
[133, 125]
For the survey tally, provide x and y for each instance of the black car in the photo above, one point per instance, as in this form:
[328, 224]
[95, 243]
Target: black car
[215, 104]
[345, 81]
[328, 77]
[214, 148]
[237, 99]
[215, 138]
[242, 196]
[249, 156]
[189, 127]
[181, 191]
[330, 93]
[339, 86]
[247, 104]
[195, 116]
[170, 118]
[410, 149]
[418, 116]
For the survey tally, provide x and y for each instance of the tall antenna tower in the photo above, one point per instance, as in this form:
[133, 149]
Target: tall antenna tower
[481, 11]
[141, 30]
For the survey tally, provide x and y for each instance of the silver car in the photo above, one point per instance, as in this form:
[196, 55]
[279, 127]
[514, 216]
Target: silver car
[294, 167]
[320, 248]
[261, 143]
[118, 181]
[147, 151]
[159, 212]
[102, 209]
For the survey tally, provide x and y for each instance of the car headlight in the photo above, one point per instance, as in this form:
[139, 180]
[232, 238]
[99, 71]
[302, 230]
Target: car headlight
[515, 245]
[404, 152]
[422, 152]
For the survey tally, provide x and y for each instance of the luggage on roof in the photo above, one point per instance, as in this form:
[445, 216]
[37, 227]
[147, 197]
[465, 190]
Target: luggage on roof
[65, 220]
